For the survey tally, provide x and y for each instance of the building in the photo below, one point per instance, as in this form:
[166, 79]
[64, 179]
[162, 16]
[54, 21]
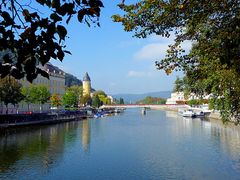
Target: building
[86, 85]
[55, 85]
[177, 97]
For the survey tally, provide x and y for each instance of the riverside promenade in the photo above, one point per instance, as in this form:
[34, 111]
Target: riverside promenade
[15, 120]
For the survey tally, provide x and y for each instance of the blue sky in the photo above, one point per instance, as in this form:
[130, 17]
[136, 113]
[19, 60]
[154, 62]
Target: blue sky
[116, 62]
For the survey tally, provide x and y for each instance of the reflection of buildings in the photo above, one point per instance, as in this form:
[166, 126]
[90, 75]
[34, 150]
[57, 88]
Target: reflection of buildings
[171, 114]
[85, 134]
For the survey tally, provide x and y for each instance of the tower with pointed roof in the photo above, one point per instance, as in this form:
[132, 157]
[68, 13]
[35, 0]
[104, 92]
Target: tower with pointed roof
[86, 85]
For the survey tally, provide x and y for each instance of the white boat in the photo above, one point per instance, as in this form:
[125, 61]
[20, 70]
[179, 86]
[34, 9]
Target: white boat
[144, 111]
[187, 113]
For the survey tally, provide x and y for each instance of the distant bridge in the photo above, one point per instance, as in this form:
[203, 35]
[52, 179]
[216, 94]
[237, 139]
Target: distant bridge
[159, 106]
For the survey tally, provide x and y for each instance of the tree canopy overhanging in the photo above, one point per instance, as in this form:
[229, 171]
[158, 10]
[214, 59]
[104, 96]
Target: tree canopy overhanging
[28, 37]
[213, 64]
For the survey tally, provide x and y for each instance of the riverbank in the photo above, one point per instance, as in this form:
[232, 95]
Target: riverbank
[213, 115]
[17, 120]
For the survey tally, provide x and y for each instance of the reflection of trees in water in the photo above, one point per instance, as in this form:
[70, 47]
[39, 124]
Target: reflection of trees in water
[229, 138]
[225, 137]
[43, 144]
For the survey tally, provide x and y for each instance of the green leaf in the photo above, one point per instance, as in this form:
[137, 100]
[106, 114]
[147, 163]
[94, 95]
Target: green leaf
[62, 32]
[55, 17]
[81, 14]
[42, 2]
[68, 52]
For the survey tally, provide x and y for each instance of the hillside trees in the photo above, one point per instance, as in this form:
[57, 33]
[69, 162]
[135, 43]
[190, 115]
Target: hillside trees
[29, 37]
[213, 63]
[71, 80]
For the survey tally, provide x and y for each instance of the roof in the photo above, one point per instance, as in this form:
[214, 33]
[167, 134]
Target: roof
[52, 69]
[86, 77]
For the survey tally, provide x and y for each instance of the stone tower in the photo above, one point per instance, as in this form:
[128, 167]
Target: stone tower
[86, 85]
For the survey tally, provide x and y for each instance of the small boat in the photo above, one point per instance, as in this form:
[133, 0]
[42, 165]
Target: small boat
[98, 115]
[199, 114]
[187, 113]
[144, 111]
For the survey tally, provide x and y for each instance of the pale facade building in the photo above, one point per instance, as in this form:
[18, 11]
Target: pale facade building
[179, 96]
[176, 96]
[55, 85]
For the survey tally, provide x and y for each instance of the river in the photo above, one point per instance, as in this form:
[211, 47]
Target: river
[159, 145]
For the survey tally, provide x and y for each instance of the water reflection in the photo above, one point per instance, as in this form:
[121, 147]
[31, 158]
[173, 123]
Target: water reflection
[227, 137]
[86, 134]
[160, 145]
[44, 145]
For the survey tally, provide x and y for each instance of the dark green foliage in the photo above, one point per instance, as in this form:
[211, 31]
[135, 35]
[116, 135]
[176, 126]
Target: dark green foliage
[28, 37]
[71, 80]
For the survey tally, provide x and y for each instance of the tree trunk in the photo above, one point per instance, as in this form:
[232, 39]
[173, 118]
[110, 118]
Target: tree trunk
[7, 108]
[40, 108]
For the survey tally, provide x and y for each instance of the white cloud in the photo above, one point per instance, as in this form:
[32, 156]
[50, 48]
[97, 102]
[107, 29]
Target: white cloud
[156, 51]
[151, 51]
[150, 73]
[129, 43]
[136, 74]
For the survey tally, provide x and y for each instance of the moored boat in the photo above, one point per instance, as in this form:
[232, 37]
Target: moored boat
[187, 113]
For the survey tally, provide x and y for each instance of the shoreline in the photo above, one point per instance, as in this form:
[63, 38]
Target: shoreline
[213, 115]
[31, 120]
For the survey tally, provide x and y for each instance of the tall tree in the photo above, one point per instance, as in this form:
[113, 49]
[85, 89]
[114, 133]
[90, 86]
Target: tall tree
[70, 99]
[10, 91]
[86, 100]
[40, 95]
[28, 98]
[29, 37]
[178, 85]
[96, 101]
[213, 63]
[77, 90]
